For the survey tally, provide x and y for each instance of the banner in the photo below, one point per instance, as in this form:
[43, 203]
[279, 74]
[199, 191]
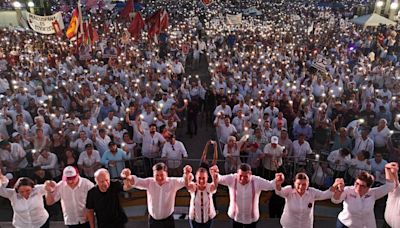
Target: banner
[321, 63]
[232, 19]
[45, 24]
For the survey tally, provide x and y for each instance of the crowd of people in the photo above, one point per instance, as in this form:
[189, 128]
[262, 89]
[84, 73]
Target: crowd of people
[117, 103]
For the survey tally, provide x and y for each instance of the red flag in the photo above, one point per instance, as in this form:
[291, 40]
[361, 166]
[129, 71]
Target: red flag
[164, 20]
[93, 33]
[127, 9]
[157, 22]
[136, 26]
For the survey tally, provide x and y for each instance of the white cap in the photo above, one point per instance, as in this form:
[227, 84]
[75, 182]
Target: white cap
[70, 171]
[274, 140]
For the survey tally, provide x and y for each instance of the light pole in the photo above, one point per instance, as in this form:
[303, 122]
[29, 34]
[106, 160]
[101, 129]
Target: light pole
[31, 6]
[378, 6]
[394, 8]
[17, 5]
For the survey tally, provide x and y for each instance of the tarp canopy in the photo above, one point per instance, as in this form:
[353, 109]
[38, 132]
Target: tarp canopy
[372, 20]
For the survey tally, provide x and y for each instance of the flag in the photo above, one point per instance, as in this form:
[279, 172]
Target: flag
[136, 26]
[157, 22]
[127, 9]
[94, 37]
[73, 24]
[164, 20]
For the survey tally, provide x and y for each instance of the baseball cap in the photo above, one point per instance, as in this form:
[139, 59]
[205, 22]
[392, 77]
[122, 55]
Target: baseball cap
[274, 140]
[70, 172]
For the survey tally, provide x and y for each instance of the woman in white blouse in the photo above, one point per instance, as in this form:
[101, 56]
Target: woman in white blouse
[27, 203]
[231, 153]
[392, 212]
[300, 198]
[201, 210]
[359, 200]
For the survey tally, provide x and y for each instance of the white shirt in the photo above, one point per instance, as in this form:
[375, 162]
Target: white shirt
[16, 153]
[381, 137]
[300, 151]
[160, 199]
[392, 211]
[241, 210]
[225, 132]
[150, 146]
[102, 144]
[174, 154]
[86, 160]
[73, 201]
[226, 111]
[274, 162]
[79, 144]
[28, 213]
[49, 163]
[362, 144]
[335, 156]
[202, 205]
[297, 211]
[358, 212]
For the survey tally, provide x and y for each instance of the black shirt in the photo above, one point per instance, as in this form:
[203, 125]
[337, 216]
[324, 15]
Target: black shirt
[106, 205]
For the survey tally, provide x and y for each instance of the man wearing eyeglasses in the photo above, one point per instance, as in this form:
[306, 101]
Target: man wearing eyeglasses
[72, 191]
[173, 152]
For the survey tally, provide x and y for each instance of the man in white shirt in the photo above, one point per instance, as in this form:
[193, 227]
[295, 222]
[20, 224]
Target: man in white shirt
[223, 109]
[79, 144]
[161, 191]
[244, 194]
[72, 191]
[173, 151]
[89, 161]
[378, 168]
[272, 158]
[337, 161]
[224, 129]
[300, 149]
[152, 143]
[380, 134]
[12, 156]
[363, 142]
[101, 141]
[47, 161]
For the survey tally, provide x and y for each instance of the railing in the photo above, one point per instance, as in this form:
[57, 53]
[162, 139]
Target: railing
[321, 173]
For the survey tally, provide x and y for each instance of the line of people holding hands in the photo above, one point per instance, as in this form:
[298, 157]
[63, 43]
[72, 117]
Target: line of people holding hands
[82, 201]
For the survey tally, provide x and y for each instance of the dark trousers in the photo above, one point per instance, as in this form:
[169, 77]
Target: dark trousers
[169, 222]
[194, 224]
[148, 166]
[192, 125]
[241, 225]
[47, 224]
[339, 224]
[83, 225]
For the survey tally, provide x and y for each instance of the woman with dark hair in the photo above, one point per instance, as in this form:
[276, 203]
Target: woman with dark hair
[68, 158]
[300, 198]
[27, 201]
[359, 200]
[201, 210]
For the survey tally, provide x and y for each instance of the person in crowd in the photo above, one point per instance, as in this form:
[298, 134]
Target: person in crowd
[103, 201]
[72, 190]
[161, 191]
[48, 161]
[378, 168]
[272, 158]
[359, 200]
[113, 159]
[231, 153]
[89, 161]
[173, 152]
[300, 199]
[338, 159]
[12, 156]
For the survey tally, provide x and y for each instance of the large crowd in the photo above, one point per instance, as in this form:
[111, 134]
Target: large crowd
[118, 103]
